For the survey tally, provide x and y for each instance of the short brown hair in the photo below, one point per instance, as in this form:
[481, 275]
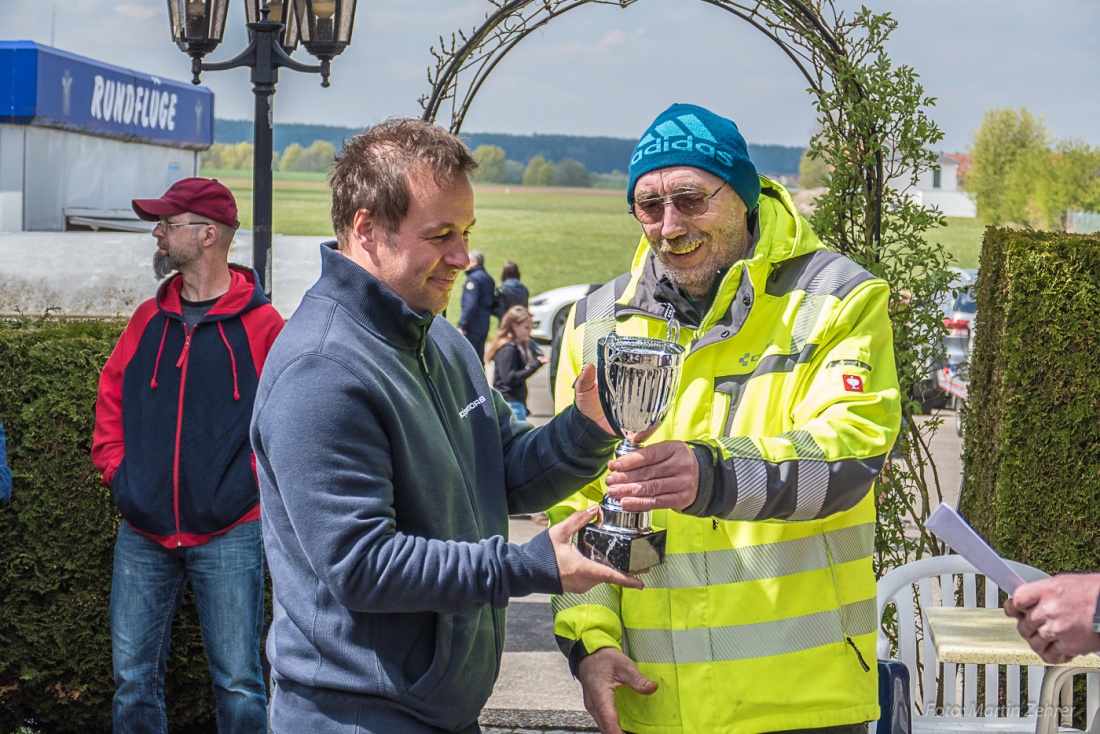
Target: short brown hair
[372, 170]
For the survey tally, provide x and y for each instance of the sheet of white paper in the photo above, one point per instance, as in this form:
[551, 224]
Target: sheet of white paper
[951, 528]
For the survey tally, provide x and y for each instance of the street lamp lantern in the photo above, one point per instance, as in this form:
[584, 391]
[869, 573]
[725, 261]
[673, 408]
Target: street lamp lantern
[197, 25]
[274, 28]
[279, 11]
[326, 28]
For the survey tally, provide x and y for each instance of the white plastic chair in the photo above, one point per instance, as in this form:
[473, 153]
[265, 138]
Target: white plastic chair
[935, 582]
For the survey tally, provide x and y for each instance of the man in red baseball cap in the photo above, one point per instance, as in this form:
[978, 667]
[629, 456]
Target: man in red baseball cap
[171, 440]
[207, 199]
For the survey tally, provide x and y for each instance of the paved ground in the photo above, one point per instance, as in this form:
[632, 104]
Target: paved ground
[107, 273]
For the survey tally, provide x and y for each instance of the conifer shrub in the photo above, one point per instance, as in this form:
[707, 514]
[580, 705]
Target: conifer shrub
[1032, 450]
[57, 542]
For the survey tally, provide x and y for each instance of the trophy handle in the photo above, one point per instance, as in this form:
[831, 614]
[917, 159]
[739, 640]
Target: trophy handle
[672, 331]
[608, 351]
[611, 348]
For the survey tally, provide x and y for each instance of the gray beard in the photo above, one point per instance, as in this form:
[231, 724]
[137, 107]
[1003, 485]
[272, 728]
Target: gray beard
[162, 265]
[698, 281]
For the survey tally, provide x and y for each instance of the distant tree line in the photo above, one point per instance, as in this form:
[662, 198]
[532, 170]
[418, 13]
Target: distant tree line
[601, 155]
[241, 131]
[1021, 176]
[495, 167]
[318, 157]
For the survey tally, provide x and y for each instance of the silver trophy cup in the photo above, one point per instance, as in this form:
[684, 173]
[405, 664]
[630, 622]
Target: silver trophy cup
[637, 378]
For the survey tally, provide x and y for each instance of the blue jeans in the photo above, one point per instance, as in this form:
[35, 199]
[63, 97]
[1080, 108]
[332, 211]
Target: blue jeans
[519, 410]
[227, 578]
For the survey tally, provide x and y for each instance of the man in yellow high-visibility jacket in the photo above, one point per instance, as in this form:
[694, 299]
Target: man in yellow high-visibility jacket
[762, 617]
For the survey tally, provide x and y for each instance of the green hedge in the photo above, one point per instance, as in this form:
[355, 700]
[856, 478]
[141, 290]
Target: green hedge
[1032, 452]
[57, 540]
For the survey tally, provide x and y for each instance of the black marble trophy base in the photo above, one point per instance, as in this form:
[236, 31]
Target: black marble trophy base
[625, 552]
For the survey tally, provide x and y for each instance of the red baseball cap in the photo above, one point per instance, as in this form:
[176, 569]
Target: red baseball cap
[203, 196]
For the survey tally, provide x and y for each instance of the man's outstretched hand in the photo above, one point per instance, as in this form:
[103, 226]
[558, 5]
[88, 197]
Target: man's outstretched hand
[600, 674]
[579, 574]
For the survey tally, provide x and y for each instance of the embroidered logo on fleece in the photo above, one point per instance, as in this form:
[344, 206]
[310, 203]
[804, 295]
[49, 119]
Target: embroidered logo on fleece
[853, 383]
[466, 411]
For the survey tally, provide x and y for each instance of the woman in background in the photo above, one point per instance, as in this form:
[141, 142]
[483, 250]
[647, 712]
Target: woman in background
[514, 359]
[511, 291]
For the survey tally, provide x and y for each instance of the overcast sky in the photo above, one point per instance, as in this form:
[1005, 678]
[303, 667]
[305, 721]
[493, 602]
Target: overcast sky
[606, 70]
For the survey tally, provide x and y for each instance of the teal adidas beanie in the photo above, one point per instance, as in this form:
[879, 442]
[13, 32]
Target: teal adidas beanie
[689, 135]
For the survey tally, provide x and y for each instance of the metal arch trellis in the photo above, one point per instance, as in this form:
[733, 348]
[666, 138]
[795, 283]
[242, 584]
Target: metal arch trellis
[514, 20]
[874, 136]
[465, 61]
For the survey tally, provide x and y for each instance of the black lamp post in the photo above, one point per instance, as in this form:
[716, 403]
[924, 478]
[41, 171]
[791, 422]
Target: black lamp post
[274, 26]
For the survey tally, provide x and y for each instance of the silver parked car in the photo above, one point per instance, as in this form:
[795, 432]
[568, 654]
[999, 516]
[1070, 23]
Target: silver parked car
[958, 309]
[551, 308]
[549, 312]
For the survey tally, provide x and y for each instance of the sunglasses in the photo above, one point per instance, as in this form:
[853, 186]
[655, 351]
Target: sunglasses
[688, 203]
[165, 224]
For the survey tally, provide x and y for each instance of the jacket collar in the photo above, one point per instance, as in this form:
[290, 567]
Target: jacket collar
[244, 294]
[369, 301]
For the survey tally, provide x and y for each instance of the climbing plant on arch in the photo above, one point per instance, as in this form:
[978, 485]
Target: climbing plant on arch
[874, 134]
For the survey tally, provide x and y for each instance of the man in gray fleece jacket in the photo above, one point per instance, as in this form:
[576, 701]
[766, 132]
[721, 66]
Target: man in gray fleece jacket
[388, 467]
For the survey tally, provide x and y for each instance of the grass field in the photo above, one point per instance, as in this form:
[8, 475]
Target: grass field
[557, 236]
[962, 238]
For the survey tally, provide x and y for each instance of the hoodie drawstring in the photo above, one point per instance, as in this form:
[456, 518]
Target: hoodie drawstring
[160, 350]
[232, 361]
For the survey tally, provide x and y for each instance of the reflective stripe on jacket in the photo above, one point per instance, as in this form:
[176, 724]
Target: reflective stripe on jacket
[762, 617]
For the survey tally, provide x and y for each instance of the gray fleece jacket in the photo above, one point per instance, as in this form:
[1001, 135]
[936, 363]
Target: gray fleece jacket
[387, 470]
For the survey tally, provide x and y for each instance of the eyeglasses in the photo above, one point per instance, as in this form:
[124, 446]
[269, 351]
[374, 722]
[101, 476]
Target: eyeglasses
[165, 224]
[688, 203]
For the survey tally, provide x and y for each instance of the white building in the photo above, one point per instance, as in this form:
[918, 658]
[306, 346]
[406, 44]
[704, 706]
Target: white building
[79, 139]
[939, 188]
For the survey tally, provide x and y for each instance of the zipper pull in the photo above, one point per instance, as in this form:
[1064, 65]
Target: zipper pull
[858, 655]
[672, 325]
[186, 346]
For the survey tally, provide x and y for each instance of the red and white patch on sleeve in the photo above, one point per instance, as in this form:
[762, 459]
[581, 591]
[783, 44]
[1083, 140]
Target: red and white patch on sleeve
[853, 383]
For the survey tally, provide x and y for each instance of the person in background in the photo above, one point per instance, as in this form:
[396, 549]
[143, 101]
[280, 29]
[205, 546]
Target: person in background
[1060, 616]
[388, 466]
[171, 441]
[514, 361]
[478, 296]
[5, 472]
[762, 617]
[511, 291]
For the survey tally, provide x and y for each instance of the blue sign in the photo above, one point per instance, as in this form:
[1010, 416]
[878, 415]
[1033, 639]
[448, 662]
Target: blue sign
[44, 86]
